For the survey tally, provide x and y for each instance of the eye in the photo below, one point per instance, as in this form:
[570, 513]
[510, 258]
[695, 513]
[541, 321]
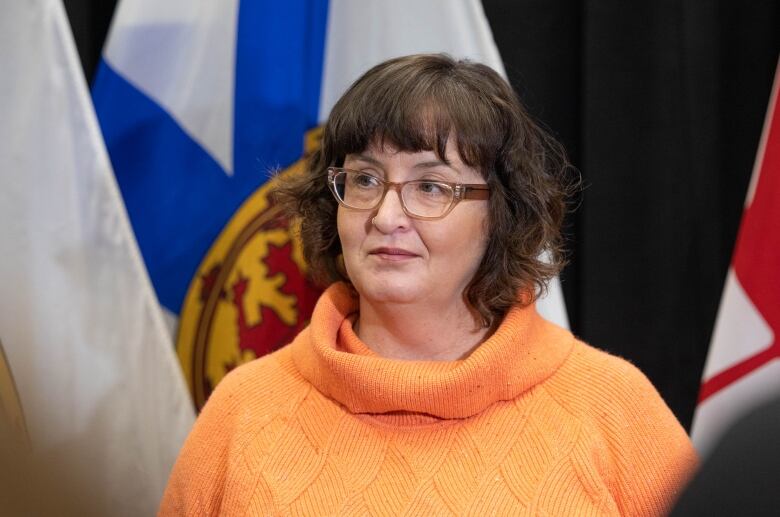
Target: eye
[364, 180]
[432, 189]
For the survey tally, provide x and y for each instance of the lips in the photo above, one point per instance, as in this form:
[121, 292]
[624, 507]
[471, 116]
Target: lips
[392, 253]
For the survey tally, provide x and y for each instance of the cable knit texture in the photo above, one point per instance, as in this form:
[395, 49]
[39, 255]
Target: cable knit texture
[533, 422]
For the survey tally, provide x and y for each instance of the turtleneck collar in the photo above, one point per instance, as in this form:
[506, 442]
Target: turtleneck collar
[524, 351]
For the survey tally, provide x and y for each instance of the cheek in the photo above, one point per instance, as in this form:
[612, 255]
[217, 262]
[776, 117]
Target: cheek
[478, 239]
[475, 229]
[350, 227]
[464, 242]
[342, 226]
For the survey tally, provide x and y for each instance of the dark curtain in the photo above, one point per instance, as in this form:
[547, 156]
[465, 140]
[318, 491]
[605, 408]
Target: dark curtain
[660, 105]
[89, 20]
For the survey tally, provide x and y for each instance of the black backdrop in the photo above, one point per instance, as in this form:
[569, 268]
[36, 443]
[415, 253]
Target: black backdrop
[660, 105]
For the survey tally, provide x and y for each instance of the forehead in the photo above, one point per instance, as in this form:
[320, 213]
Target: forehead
[388, 156]
[378, 151]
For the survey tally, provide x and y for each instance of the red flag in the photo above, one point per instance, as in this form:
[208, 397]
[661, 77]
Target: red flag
[742, 367]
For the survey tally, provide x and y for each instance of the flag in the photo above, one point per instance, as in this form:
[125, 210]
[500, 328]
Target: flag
[200, 103]
[742, 368]
[88, 370]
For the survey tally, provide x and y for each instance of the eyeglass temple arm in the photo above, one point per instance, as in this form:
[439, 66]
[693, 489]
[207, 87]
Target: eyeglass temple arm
[475, 192]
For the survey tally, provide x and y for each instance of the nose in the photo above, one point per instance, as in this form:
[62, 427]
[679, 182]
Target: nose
[390, 213]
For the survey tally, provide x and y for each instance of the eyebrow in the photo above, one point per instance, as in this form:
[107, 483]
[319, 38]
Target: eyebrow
[365, 158]
[434, 163]
[421, 165]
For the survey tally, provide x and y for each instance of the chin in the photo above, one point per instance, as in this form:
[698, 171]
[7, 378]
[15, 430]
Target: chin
[383, 292]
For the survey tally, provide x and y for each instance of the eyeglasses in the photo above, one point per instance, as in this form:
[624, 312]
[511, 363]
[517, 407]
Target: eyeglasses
[420, 199]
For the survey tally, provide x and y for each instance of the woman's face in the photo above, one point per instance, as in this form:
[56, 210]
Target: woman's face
[398, 259]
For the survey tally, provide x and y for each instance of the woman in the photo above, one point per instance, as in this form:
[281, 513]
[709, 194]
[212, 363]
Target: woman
[426, 383]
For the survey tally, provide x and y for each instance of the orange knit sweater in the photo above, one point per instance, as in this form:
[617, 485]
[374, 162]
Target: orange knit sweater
[533, 422]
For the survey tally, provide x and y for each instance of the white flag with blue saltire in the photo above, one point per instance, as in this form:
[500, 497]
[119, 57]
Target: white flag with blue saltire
[199, 102]
[88, 371]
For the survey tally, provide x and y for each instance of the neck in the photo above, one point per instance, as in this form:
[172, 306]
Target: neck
[411, 332]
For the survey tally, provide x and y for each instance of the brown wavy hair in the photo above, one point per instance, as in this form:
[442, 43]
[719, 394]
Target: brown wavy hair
[418, 103]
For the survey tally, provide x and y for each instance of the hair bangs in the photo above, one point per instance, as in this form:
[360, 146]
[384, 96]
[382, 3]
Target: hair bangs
[412, 113]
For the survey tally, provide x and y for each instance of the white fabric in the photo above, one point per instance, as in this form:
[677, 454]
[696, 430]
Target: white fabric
[181, 53]
[363, 33]
[552, 307]
[738, 322]
[94, 367]
[740, 332]
[715, 415]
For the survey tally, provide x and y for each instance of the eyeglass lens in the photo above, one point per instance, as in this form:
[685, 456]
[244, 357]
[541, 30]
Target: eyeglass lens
[420, 197]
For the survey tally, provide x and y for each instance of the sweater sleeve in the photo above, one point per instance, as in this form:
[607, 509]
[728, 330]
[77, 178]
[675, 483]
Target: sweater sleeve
[649, 455]
[652, 454]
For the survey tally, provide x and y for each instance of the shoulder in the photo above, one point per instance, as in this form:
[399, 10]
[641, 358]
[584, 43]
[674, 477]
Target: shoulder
[591, 378]
[257, 391]
[246, 407]
[271, 376]
[611, 394]
[644, 451]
